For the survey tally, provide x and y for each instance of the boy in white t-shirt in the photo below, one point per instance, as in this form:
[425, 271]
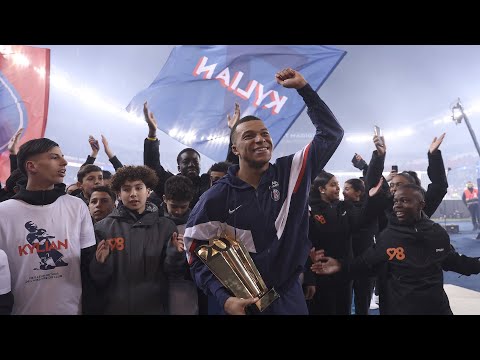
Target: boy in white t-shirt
[46, 234]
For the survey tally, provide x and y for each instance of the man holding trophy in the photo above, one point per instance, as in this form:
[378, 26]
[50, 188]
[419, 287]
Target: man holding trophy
[247, 237]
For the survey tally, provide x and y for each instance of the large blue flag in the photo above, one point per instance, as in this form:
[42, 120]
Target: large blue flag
[199, 85]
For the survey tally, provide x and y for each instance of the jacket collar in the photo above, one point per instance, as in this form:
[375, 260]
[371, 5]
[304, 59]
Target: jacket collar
[42, 197]
[234, 181]
[424, 223]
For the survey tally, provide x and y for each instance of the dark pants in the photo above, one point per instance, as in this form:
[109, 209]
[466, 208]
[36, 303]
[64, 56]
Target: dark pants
[202, 302]
[363, 289]
[332, 299]
[474, 213]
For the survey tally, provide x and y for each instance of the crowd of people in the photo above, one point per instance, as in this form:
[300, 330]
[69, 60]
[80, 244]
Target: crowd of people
[128, 242]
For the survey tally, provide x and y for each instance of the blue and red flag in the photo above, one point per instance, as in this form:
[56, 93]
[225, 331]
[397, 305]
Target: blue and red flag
[198, 87]
[24, 89]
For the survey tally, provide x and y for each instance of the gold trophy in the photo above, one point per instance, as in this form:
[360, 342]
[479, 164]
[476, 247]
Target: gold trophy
[231, 263]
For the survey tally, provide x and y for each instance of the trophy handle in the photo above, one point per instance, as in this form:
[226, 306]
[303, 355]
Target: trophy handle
[266, 299]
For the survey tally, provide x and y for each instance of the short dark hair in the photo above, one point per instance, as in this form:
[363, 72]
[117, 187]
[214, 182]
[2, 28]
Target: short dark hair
[356, 184]
[179, 188]
[76, 192]
[132, 173]
[414, 187]
[106, 189]
[321, 180]
[406, 175]
[187, 150]
[86, 169]
[414, 175]
[106, 174]
[221, 166]
[31, 148]
[74, 184]
[241, 121]
[17, 176]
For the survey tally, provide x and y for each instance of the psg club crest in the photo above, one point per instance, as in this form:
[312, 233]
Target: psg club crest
[275, 194]
[275, 191]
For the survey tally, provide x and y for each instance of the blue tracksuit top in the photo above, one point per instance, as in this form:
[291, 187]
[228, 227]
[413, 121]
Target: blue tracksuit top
[272, 220]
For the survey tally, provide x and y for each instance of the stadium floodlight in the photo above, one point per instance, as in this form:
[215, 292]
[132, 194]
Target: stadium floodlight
[458, 114]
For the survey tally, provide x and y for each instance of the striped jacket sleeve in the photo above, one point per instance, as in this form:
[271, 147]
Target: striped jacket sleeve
[203, 224]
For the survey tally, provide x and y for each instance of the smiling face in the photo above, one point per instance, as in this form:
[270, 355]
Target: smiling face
[134, 195]
[407, 204]
[253, 144]
[47, 168]
[331, 191]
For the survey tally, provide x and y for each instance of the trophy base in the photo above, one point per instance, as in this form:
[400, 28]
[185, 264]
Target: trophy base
[266, 299]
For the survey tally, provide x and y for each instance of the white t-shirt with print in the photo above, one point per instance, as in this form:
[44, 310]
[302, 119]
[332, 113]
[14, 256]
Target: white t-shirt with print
[43, 244]
[5, 286]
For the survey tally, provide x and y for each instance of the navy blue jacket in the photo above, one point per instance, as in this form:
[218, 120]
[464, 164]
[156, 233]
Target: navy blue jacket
[272, 220]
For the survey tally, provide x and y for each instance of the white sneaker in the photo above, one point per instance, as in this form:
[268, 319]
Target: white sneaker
[373, 305]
